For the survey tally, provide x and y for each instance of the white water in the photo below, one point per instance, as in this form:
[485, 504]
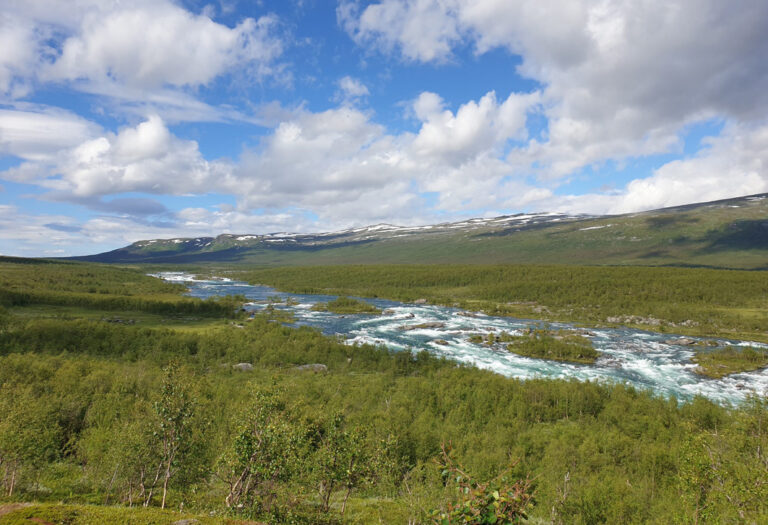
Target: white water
[645, 360]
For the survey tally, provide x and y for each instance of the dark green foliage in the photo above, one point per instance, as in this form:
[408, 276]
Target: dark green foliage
[85, 407]
[102, 288]
[346, 305]
[558, 347]
[696, 301]
[499, 500]
[724, 361]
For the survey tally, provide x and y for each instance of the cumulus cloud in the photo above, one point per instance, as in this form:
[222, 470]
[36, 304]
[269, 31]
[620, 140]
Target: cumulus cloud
[734, 164]
[130, 50]
[165, 45]
[620, 78]
[146, 158]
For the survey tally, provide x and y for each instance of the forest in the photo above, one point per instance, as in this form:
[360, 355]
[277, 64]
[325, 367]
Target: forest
[122, 400]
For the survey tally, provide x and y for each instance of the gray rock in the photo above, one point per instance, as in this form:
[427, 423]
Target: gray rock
[683, 341]
[420, 326]
[243, 367]
[186, 521]
[313, 367]
[441, 342]
[420, 301]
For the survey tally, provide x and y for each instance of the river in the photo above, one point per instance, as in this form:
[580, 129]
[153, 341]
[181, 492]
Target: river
[645, 360]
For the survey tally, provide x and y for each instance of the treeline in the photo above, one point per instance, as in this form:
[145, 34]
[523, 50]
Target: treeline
[102, 288]
[101, 413]
[684, 299]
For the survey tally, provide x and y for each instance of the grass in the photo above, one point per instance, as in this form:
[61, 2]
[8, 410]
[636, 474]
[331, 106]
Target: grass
[730, 360]
[12, 514]
[132, 317]
[347, 305]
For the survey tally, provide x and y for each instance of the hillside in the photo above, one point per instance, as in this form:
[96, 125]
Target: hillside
[729, 233]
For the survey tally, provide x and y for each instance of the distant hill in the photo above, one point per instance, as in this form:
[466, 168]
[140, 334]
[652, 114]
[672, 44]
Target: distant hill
[730, 233]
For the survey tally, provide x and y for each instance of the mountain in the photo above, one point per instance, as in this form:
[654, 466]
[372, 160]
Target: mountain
[730, 233]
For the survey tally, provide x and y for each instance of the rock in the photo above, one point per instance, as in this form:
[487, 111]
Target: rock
[420, 301]
[683, 341]
[440, 342]
[388, 311]
[467, 314]
[186, 521]
[243, 367]
[409, 316]
[313, 367]
[420, 326]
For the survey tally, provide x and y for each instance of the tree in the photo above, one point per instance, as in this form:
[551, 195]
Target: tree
[261, 453]
[174, 409]
[496, 501]
[29, 433]
[340, 460]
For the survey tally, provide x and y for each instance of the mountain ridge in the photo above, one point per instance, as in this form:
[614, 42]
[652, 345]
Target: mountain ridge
[730, 233]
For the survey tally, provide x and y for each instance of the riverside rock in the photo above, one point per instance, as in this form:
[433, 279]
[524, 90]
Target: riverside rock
[313, 367]
[243, 367]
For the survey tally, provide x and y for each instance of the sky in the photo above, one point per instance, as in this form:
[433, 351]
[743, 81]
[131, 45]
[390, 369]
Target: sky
[143, 119]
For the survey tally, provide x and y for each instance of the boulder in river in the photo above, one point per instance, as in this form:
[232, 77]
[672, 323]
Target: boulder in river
[420, 301]
[442, 342]
[683, 341]
[313, 367]
[421, 326]
[243, 367]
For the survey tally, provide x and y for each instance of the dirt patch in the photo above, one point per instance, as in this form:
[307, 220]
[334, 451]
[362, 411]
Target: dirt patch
[11, 507]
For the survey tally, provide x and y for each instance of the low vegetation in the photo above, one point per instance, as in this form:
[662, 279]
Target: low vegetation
[101, 418]
[346, 305]
[730, 360]
[560, 346]
[678, 300]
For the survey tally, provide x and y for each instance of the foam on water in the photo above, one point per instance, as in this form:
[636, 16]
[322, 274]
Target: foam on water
[645, 360]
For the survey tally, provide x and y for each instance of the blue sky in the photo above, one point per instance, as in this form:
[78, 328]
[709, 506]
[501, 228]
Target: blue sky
[161, 119]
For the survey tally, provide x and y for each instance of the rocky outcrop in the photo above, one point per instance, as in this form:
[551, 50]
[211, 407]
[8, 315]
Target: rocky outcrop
[243, 367]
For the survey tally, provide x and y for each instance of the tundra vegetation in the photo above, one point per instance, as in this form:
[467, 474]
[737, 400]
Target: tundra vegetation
[346, 305]
[111, 421]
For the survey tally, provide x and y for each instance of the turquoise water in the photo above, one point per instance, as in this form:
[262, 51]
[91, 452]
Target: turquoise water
[645, 360]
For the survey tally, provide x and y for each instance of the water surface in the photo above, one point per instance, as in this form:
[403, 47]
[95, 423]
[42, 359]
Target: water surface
[645, 360]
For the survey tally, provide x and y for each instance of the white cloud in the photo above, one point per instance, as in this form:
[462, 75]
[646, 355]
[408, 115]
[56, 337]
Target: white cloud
[37, 133]
[147, 55]
[476, 127]
[620, 78]
[351, 89]
[733, 165]
[164, 45]
[145, 158]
